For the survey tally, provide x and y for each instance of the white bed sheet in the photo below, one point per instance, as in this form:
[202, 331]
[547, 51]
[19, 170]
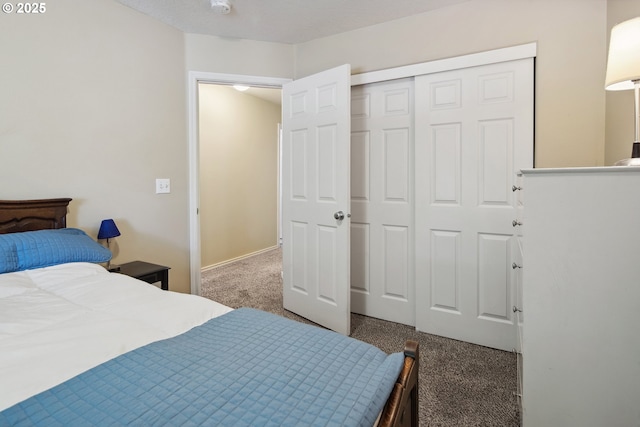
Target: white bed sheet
[57, 322]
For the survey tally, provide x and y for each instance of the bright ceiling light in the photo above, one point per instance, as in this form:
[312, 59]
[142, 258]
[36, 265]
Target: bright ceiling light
[241, 88]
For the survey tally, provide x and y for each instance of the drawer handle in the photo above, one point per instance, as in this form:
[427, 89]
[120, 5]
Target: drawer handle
[516, 309]
[515, 223]
[514, 188]
[514, 266]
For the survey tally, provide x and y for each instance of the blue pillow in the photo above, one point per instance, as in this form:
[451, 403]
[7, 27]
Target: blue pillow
[43, 248]
[8, 256]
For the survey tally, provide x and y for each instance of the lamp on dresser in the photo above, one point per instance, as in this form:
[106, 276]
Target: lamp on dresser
[109, 230]
[623, 73]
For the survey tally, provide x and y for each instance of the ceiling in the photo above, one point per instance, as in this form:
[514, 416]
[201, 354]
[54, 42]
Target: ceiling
[281, 21]
[273, 95]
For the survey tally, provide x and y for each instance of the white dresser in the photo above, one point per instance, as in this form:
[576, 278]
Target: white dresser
[517, 265]
[581, 297]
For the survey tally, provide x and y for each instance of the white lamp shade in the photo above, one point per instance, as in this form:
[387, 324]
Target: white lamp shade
[623, 66]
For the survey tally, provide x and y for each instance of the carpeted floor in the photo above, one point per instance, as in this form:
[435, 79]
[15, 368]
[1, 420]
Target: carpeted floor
[461, 384]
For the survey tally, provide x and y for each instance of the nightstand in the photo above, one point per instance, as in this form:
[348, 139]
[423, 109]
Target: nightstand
[147, 272]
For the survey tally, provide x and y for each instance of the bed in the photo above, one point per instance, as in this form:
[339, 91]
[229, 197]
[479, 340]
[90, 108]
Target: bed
[82, 346]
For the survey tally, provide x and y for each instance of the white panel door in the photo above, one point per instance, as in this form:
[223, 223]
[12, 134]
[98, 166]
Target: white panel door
[474, 132]
[381, 201]
[315, 186]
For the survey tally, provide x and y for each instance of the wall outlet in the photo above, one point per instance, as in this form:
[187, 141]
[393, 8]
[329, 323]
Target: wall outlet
[163, 185]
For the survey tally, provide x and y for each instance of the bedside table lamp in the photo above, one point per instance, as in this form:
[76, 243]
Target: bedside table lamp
[623, 72]
[109, 230]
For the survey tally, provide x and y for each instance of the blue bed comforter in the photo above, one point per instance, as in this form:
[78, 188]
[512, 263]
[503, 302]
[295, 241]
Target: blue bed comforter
[245, 368]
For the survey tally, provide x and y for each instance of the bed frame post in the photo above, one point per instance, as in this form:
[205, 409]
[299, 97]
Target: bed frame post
[411, 350]
[401, 409]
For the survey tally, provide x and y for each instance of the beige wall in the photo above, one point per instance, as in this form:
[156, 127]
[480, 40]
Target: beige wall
[93, 98]
[247, 57]
[619, 104]
[238, 173]
[93, 107]
[570, 66]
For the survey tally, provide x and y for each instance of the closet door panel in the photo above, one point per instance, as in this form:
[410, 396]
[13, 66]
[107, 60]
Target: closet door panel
[474, 132]
[381, 201]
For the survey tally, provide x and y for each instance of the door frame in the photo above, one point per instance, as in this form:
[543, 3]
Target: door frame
[528, 50]
[512, 53]
[194, 79]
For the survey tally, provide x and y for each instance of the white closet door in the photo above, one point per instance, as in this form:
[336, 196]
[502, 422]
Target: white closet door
[315, 185]
[474, 132]
[381, 201]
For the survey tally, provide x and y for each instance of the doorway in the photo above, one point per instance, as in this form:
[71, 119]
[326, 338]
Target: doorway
[238, 161]
[194, 80]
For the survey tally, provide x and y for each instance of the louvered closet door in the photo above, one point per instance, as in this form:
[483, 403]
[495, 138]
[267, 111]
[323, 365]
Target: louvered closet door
[382, 201]
[474, 132]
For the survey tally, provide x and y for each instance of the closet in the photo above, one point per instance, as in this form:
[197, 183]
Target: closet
[433, 159]
[474, 132]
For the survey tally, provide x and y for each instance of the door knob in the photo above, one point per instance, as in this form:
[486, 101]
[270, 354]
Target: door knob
[340, 215]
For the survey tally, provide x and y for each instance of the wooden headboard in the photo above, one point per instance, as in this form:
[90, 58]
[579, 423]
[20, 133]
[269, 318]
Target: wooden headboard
[30, 215]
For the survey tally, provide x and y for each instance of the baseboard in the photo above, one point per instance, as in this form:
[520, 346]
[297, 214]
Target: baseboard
[240, 258]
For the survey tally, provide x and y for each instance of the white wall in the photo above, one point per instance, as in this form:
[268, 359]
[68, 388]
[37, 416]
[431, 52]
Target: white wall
[570, 67]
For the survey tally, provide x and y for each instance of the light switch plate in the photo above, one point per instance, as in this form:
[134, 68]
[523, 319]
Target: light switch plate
[163, 185]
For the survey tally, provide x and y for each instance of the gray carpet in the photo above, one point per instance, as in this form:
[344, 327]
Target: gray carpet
[461, 384]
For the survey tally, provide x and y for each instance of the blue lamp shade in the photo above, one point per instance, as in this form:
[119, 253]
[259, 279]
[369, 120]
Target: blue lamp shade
[108, 229]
